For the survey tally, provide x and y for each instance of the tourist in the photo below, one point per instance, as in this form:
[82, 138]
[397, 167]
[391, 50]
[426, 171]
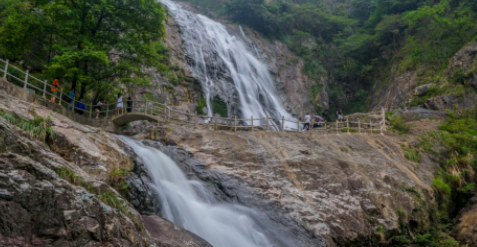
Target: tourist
[120, 103]
[97, 108]
[81, 107]
[340, 115]
[72, 95]
[306, 126]
[55, 85]
[129, 104]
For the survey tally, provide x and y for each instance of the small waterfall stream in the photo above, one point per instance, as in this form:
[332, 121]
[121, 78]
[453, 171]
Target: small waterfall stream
[226, 68]
[190, 205]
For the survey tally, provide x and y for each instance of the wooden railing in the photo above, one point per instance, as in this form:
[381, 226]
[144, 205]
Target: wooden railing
[167, 113]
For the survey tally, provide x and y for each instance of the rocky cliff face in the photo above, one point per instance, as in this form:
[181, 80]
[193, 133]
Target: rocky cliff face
[285, 67]
[60, 194]
[404, 86]
[346, 188]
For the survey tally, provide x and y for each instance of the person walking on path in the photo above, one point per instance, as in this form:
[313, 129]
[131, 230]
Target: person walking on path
[97, 108]
[72, 95]
[306, 126]
[81, 107]
[340, 115]
[120, 103]
[55, 85]
[129, 104]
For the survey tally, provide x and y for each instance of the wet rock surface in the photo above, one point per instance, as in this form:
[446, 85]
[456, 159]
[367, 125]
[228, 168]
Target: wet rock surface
[40, 208]
[340, 187]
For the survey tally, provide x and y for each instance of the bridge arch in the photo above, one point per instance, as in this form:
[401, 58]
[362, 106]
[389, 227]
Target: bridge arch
[125, 118]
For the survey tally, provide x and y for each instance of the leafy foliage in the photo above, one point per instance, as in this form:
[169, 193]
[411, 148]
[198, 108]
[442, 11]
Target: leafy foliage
[91, 44]
[351, 45]
[117, 180]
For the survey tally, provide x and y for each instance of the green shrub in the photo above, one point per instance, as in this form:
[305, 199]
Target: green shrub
[201, 103]
[442, 189]
[399, 125]
[219, 107]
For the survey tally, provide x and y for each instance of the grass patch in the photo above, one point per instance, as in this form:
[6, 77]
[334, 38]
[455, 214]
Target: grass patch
[412, 154]
[117, 180]
[39, 128]
[111, 199]
[411, 190]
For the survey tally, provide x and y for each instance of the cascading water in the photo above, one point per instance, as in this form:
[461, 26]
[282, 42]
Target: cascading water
[221, 224]
[226, 68]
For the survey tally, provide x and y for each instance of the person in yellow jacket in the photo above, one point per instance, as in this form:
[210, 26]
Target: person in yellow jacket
[55, 85]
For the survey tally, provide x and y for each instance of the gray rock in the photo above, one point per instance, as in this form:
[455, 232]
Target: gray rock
[418, 112]
[422, 90]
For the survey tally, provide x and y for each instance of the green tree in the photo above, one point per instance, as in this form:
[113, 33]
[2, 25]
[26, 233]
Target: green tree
[94, 44]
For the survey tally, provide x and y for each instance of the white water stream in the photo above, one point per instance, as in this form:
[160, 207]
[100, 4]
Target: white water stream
[221, 224]
[226, 68]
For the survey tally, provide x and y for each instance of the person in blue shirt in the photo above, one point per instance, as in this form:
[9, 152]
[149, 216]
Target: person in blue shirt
[80, 107]
[72, 95]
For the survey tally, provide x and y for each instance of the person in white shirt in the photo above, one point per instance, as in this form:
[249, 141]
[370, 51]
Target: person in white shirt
[306, 126]
[120, 103]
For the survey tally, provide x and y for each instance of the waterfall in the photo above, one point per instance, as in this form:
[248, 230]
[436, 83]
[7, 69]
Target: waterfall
[190, 205]
[226, 68]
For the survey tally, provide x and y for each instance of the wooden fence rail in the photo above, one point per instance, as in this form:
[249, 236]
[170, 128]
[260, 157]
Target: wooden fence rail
[166, 113]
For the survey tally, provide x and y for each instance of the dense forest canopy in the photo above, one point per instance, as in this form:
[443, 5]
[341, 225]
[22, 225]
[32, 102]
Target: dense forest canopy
[89, 45]
[352, 45]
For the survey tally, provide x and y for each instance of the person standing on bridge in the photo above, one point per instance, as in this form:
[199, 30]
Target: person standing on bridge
[306, 126]
[97, 108]
[55, 85]
[340, 115]
[129, 104]
[80, 107]
[120, 103]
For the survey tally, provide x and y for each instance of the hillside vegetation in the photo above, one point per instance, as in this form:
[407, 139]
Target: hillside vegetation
[353, 45]
[95, 47]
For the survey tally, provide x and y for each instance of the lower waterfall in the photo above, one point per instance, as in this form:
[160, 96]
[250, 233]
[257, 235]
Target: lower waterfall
[188, 204]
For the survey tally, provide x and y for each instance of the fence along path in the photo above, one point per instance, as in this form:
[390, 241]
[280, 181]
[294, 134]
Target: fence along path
[165, 113]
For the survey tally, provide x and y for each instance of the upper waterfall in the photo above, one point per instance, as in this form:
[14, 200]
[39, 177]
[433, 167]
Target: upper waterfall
[226, 68]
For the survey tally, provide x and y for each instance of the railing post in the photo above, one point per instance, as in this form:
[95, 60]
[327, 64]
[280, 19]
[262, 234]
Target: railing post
[359, 125]
[26, 80]
[6, 70]
[347, 124]
[145, 107]
[336, 125]
[73, 109]
[107, 108]
[59, 96]
[371, 124]
[252, 122]
[44, 89]
[283, 123]
[235, 124]
[91, 111]
[268, 124]
[215, 122]
[298, 126]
